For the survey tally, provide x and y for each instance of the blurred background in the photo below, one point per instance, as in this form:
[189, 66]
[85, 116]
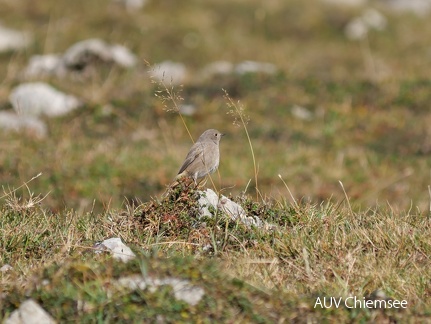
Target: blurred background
[331, 90]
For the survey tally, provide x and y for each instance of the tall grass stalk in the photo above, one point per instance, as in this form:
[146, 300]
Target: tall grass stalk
[167, 93]
[236, 109]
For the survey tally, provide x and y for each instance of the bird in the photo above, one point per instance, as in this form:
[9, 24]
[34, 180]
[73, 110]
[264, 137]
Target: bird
[203, 157]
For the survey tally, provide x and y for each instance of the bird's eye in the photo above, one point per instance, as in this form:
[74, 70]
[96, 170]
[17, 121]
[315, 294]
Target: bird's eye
[216, 134]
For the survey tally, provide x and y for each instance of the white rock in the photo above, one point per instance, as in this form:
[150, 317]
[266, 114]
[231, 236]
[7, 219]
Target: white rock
[119, 250]
[217, 68]
[45, 65]
[209, 198]
[169, 72]
[122, 56]
[6, 268]
[182, 289]
[356, 29]
[255, 67]
[301, 113]
[418, 7]
[132, 4]
[226, 67]
[78, 57]
[16, 122]
[359, 27]
[82, 53]
[35, 99]
[352, 3]
[87, 51]
[187, 109]
[29, 312]
[133, 282]
[11, 40]
[374, 19]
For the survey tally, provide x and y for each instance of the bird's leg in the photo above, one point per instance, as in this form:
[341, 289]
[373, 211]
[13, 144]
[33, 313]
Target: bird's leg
[202, 182]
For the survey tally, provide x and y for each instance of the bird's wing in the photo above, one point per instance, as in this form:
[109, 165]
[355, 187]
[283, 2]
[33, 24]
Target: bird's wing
[193, 154]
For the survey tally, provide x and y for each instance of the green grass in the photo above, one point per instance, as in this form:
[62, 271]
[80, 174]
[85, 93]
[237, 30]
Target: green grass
[104, 167]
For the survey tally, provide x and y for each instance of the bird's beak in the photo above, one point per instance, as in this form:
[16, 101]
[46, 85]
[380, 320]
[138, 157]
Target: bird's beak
[222, 135]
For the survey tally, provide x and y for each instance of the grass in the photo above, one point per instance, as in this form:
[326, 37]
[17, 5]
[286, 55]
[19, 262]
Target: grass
[347, 189]
[315, 250]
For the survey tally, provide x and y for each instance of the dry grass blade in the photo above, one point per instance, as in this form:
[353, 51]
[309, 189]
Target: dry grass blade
[237, 110]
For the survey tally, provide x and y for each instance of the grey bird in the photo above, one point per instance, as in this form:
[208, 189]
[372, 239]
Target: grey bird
[203, 157]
